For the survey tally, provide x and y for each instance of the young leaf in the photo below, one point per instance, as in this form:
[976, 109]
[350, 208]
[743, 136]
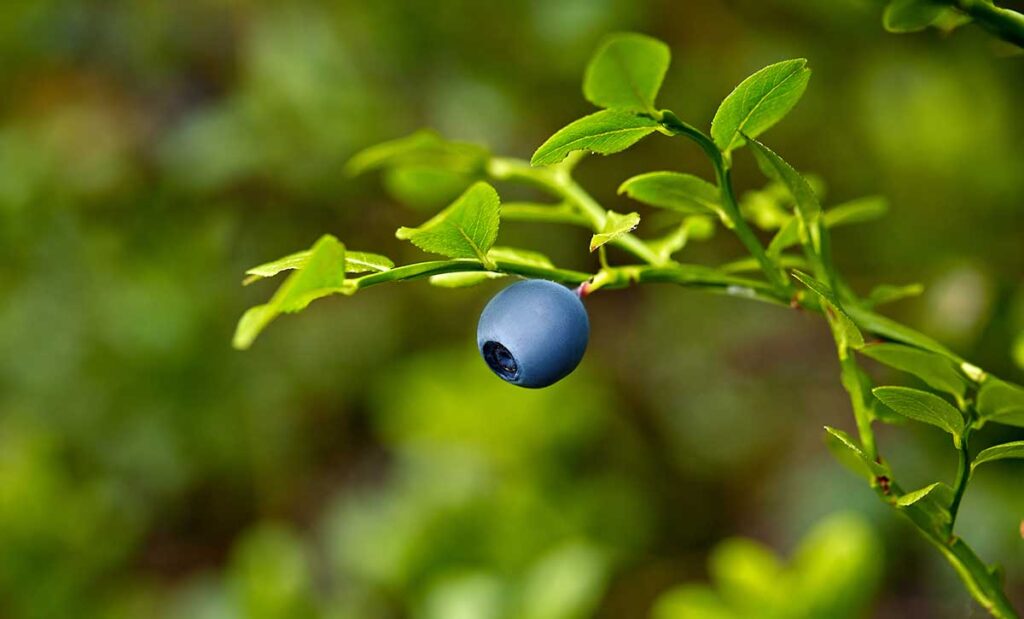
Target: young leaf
[425, 187]
[322, 274]
[685, 193]
[463, 279]
[1001, 402]
[887, 293]
[999, 452]
[466, 229]
[936, 371]
[355, 262]
[422, 148]
[759, 102]
[850, 455]
[497, 254]
[924, 407]
[604, 132]
[939, 492]
[615, 225]
[911, 15]
[787, 236]
[846, 332]
[626, 72]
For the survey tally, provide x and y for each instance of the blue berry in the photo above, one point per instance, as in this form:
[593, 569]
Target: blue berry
[533, 333]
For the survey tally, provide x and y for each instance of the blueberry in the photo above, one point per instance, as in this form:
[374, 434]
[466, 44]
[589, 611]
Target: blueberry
[533, 333]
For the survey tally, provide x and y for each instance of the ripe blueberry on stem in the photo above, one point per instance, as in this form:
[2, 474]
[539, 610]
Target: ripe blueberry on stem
[533, 333]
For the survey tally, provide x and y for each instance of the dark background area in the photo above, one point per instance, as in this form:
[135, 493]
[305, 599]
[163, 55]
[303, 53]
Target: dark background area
[361, 461]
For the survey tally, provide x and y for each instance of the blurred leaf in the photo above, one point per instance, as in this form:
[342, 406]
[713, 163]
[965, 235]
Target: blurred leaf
[861, 210]
[747, 574]
[626, 72]
[463, 279]
[615, 225]
[924, 407]
[941, 492]
[548, 213]
[322, 275]
[424, 186]
[934, 369]
[355, 262]
[887, 293]
[1001, 402]
[520, 256]
[846, 331]
[695, 227]
[911, 15]
[604, 132]
[568, 583]
[693, 602]
[271, 574]
[1014, 449]
[759, 102]
[422, 148]
[466, 229]
[472, 595]
[505, 254]
[685, 193]
[836, 568]
[850, 455]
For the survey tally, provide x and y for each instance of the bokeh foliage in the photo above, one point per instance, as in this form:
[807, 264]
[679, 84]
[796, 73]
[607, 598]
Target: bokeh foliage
[360, 461]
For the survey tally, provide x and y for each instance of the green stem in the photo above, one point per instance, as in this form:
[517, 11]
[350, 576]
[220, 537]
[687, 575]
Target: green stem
[1006, 24]
[963, 473]
[729, 204]
[558, 182]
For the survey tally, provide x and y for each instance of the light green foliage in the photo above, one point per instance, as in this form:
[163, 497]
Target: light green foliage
[924, 407]
[759, 102]
[626, 72]
[604, 132]
[695, 227]
[912, 15]
[887, 293]
[1014, 449]
[1001, 402]
[425, 148]
[934, 369]
[504, 254]
[614, 226]
[466, 229]
[776, 168]
[861, 210]
[323, 274]
[940, 491]
[834, 573]
[685, 193]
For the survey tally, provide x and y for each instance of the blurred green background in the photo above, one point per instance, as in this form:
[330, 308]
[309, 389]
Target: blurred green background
[361, 461]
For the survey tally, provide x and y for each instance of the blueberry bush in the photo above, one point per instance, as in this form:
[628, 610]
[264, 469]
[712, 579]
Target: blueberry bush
[794, 269]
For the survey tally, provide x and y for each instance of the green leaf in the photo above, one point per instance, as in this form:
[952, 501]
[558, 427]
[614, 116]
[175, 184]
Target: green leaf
[423, 148]
[759, 102]
[890, 329]
[999, 452]
[787, 236]
[924, 407]
[355, 262]
[911, 15]
[563, 213]
[1001, 402]
[604, 132]
[776, 168]
[939, 491]
[747, 573]
[322, 274]
[846, 332]
[466, 229]
[861, 210]
[887, 293]
[850, 455]
[615, 225]
[504, 255]
[937, 371]
[425, 187]
[626, 72]
[685, 193]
